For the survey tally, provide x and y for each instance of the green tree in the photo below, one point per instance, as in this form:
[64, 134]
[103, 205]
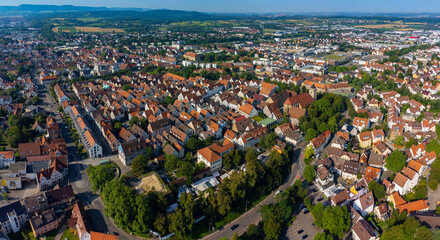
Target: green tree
[322, 236]
[309, 153]
[317, 212]
[437, 130]
[171, 162]
[309, 173]
[177, 223]
[423, 233]
[233, 159]
[268, 141]
[310, 134]
[118, 126]
[378, 189]
[100, 175]
[134, 120]
[139, 165]
[399, 140]
[396, 161]
[272, 221]
[336, 220]
[186, 169]
[252, 233]
[193, 144]
[251, 153]
[160, 224]
[395, 232]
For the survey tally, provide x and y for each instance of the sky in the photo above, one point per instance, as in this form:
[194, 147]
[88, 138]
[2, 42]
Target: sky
[257, 6]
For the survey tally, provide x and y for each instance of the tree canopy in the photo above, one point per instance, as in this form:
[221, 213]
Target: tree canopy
[396, 161]
[309, 173]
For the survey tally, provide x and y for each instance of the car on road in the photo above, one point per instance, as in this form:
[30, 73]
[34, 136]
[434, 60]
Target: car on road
[234, 226]
[305, 236]
[300, 231]
[278, 192]
[306, 210]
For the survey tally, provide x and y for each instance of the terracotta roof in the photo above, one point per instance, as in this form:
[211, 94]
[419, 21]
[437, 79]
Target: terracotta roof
[400, 179]
[414, 206]
[398, 200]
[246, 108]
[209, 155]
[365, 136]
[102, 236]
[372, 173]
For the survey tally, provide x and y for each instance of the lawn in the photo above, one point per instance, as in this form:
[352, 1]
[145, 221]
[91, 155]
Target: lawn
[257, 118]
[68, 235]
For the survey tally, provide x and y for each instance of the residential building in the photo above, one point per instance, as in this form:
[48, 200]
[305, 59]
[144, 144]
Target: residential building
[130, 150]
[12, 217]
[209, 158]
[45, 222]
[365, 204]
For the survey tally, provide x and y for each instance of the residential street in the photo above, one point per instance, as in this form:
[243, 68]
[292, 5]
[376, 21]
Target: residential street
[79, 179]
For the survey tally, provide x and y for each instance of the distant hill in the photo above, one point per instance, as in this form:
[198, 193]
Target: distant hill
[70, 11]
[148, 15]
[36, 9]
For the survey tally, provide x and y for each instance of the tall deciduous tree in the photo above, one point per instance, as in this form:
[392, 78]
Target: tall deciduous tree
[336, 220]
[396, 161]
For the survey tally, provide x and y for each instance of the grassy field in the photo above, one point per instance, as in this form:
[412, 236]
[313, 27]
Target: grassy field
[86, 29]
[398, 25]
[333, 57]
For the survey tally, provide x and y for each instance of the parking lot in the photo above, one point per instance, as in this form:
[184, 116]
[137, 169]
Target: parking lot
[302, 228]
[28, 189]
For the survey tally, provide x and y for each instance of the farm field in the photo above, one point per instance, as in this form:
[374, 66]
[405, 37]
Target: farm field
[86, 29]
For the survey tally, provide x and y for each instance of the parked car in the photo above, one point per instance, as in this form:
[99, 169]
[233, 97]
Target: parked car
[300, 231]
[305, 236]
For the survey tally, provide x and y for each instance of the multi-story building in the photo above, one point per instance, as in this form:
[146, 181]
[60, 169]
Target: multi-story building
[45, 222]
[12, 217]
[130, 150]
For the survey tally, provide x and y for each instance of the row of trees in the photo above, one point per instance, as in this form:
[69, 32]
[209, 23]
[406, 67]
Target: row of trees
[400, 226]
[138, 213]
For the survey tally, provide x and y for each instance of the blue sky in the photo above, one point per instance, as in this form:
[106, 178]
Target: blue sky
[260, 6]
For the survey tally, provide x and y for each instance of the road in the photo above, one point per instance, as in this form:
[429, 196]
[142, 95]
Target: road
[253, 216]
[79, 179]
